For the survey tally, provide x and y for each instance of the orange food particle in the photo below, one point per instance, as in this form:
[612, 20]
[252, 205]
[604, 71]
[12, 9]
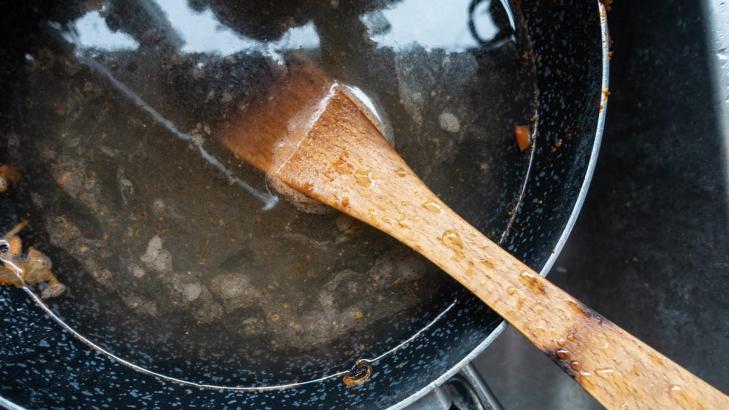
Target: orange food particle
[65, 177]
[8, 172]
[523, 136]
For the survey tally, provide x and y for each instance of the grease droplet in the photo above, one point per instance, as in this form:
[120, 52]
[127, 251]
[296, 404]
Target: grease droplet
[585, 373]
[486, 262]
[532, 281]
[675, 388]
[527, 275]
[363, 177]
[571, 337]
[563, 354]
[469, 270]
[341, 166]
[432, 207]
[605, 371]
[541, 326]
[561, 342]
[511, 290]
[575, 364]
[401, 172]
[453, 240]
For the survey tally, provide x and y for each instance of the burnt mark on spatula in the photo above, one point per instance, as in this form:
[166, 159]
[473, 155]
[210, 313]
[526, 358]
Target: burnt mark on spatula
[585, 311]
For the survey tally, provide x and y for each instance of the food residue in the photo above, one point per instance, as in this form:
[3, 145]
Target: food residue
[30, 269]
[358, 374]
[8, 174]
[523, 136]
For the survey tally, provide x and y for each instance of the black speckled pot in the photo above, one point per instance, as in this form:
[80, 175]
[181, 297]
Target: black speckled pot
[42, 365]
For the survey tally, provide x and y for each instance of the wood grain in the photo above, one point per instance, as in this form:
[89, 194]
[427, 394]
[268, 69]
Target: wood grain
[342, 160]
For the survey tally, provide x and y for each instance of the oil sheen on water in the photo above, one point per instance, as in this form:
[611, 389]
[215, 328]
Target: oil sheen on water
[175, 253]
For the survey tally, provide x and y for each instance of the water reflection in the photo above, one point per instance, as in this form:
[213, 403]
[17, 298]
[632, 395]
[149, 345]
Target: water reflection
[183, 28]
[203, 33]
[412, 22]
[268, 199]
[460, 25]
[428, 24]
[91, 31]
[491, 19]
[463, 24]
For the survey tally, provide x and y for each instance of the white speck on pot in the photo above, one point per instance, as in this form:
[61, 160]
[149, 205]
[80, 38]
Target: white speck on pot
[209, 312]
[126, 188]
[235, 289]
[326, 299]
[137, 271]
[449, 122]
[158, 206]
[191, 291]
[156, 257]
[107, 151]
[197, 139]
[226, 98]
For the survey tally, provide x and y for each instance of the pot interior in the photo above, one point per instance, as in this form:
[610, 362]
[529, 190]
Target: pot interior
[161, 237]
[170, 257]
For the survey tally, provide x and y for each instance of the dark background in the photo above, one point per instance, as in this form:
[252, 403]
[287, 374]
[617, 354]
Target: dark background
[651, 247]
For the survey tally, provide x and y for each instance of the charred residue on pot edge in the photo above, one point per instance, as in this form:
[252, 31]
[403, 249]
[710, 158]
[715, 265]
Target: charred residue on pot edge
[358, 374]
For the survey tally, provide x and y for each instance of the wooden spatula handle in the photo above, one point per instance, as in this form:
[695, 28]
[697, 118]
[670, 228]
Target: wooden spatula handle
[616, 368]
[343, 161]
[619, 370]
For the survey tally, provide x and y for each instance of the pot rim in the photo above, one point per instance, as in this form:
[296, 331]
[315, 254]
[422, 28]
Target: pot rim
[5, 403]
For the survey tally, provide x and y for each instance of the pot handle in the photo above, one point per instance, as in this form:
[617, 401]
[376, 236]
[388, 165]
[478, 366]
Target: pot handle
[464, 391]
[480, 388]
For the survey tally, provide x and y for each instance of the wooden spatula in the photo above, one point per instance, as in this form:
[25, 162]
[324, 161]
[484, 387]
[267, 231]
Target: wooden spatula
[309, 133]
